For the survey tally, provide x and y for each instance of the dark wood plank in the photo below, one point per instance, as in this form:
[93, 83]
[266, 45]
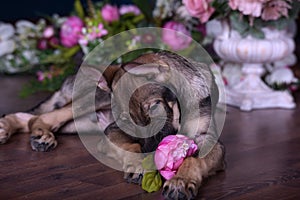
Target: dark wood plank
[11, 87]
[262, 155]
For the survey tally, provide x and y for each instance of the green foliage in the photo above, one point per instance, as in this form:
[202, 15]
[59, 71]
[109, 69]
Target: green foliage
[146, 8]
[242, 25]
[148, 163]
[294, 11]
[47, 84]
[221, 9]
[152, 181]
[238, 24]
[64, 57]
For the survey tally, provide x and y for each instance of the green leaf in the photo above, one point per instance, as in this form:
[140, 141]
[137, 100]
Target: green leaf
[138, 19]
[148, 163]
[197, 35]
[238, 24]
[69, 52]
[79, 9]
[257, 33]
[279, 24]
[152, 181]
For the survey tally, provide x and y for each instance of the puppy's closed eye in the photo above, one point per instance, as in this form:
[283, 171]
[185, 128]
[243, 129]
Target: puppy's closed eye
[154, 106]
[156, 109]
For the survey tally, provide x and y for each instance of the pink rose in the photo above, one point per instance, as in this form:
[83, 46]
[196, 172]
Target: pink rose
[129, 9]
[200, 9]
[70, 31]
[110, 13]
[248, 7]
[177, 39]
[171, 152]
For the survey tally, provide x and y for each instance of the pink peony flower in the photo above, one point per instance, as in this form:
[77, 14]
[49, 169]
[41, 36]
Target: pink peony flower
[171, 152]
[248, 7]
[110, 13]
[70, 31]
[129, 9]
[48, 32]
[176, 38]
[200, 9]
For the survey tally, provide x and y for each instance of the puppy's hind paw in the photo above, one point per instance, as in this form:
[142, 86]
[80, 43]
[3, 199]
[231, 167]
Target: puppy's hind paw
[133, 169]
[134, 173]
[42, 140]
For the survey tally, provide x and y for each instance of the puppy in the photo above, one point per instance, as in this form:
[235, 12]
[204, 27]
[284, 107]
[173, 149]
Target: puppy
[155, 95]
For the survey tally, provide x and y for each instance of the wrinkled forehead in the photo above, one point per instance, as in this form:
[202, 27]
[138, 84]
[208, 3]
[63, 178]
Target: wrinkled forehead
[136, 89]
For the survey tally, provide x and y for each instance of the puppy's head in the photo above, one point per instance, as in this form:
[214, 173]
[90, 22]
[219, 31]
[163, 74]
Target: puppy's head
[147, 108]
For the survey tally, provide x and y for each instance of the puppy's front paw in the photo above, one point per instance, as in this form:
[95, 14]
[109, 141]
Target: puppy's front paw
[133, 171]
[42, 140]
[4, 130]
[180, 188]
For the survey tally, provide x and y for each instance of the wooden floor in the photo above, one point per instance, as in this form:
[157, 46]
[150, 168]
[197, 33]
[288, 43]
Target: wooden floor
[263, 156]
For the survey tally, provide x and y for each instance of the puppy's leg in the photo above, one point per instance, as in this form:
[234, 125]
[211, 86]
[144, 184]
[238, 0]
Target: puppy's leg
[18, 122]
[185, 184]
[43, 126]
[13, 123]
[124, 149]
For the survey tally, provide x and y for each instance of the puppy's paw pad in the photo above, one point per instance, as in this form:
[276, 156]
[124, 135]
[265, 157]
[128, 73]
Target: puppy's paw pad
[4, 131]
[180, 188]
[42, 140]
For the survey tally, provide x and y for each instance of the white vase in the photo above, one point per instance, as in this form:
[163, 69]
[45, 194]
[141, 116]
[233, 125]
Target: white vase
[252, 54]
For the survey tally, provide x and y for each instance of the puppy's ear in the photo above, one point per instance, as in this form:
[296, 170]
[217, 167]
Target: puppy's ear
[103, 85]
[109, 74]
[156, 71]
[96, 74]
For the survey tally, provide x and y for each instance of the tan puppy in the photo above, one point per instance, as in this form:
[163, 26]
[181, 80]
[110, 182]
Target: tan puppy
[164, 97]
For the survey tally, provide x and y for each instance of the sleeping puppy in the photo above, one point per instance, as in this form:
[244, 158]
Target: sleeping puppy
[137, 104]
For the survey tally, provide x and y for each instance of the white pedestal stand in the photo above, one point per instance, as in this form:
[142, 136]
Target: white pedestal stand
[252, 53]
[253, 93]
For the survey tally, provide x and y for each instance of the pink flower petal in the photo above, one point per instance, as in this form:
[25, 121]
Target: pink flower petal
[171, 153]
[167, 174]
[178, 163]
[160, 159]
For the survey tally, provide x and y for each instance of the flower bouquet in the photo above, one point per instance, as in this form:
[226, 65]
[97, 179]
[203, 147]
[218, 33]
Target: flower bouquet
[54, 47]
